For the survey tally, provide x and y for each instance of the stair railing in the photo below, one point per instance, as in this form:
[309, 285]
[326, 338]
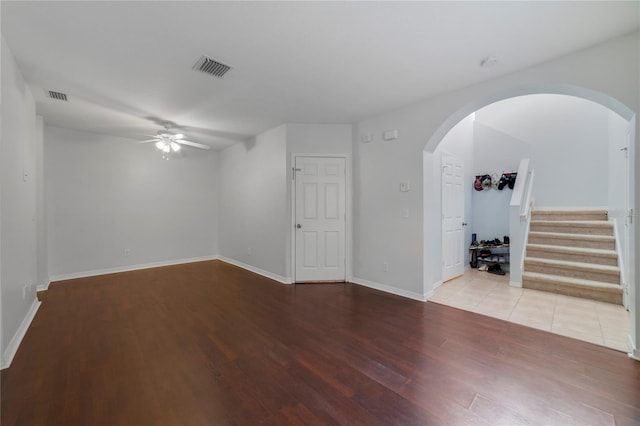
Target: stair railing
[519, 220]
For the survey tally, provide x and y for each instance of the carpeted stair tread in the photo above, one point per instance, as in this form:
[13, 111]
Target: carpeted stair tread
[577, 287]
[569, 214]
[576, 250]
[581, 223]
[573, 265]
[581, 282]
[570, 236]
[574, 254]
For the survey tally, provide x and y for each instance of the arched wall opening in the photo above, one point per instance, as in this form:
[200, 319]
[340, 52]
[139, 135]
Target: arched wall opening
[432, 226]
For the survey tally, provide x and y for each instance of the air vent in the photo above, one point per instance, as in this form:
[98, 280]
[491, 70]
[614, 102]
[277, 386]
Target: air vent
[211, 67]
[58, 96]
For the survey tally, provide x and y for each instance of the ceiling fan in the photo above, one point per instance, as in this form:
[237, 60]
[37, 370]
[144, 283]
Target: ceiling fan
[168, 141]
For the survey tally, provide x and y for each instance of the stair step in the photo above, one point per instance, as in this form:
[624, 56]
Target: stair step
[587, 271]
[583, 227]
[603, 242]
[560, 214]
[573, 254]
[587, 289]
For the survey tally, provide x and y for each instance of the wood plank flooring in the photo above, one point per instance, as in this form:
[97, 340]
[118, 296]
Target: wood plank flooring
[211, 344]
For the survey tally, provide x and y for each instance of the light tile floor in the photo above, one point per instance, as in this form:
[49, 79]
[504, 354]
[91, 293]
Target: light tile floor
[487, 294]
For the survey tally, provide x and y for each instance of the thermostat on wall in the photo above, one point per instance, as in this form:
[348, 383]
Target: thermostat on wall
[390, 135]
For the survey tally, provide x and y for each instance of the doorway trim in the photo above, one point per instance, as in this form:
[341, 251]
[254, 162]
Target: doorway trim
[432, 274]
[348, 212]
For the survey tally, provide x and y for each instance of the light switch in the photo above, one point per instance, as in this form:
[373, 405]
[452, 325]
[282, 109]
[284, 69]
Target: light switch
[405, 213]
[405, 186]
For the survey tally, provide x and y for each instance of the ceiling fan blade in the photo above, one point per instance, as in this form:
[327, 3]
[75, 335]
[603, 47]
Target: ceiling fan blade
[197, 145]
[150, 140]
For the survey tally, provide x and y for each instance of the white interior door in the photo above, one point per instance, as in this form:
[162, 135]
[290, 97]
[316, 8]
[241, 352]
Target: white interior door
[452, 217]
[320, 219]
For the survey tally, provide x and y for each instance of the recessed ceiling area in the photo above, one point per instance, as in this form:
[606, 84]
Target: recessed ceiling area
[128, 66]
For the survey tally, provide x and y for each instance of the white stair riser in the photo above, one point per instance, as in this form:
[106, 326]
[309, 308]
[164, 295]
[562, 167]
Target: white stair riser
[572, 228]
[573, 272]
[609, 296]
[572, 257]
[566, 242]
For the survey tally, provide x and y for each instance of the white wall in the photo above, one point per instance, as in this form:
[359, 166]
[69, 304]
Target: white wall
[253, 203]
[20, 144]
[255, 195]
[381, 234]
[559, 130]
[105, 195]
[495, 152]
[460, 142]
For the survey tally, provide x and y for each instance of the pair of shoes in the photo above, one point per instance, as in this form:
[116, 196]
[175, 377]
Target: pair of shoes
[495, 269]
[483, 267]
[474, 244]
[484, 253]
[506, 240]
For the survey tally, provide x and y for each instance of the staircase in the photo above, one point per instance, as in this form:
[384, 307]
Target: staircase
[573, 252]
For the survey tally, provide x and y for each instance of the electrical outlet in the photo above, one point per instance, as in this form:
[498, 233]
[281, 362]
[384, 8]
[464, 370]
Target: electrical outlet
[249, 251]
[25, 291]
[385, 266]
[126, 252]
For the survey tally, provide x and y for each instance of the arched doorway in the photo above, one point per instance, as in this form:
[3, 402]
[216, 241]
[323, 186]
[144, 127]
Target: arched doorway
[432, 200]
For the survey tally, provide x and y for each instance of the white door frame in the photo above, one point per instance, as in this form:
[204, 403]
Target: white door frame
[348, 209]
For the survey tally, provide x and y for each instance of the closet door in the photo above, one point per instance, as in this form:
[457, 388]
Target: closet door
[452, 217]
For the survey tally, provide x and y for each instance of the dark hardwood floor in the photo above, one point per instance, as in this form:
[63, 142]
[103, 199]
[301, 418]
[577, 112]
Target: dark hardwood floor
[211, 344]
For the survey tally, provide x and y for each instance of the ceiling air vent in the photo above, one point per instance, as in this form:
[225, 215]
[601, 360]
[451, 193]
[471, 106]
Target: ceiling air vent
[211, 67]
[58, 96]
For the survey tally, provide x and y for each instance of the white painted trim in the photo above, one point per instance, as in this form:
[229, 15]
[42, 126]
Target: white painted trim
[14, 344]
[275, 277]
[621, 264]
[129, 268]
[348, 248]
[515, 284]
[634, 353]
[393, 290]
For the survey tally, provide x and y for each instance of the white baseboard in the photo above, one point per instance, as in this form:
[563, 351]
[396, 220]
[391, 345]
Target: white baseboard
[634, 353]
[275, 277]
[14, 344]
[515, 284]
[392, 290]
[128, 268]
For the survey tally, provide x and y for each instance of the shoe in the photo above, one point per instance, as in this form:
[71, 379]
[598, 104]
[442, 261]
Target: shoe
[504, 180]
[483, 268]
[506, 240]
[495, 269]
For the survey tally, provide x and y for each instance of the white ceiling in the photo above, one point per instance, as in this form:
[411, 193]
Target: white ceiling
[127, 66]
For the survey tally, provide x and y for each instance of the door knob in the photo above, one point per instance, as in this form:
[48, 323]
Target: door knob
[464, 223]
[298, 226]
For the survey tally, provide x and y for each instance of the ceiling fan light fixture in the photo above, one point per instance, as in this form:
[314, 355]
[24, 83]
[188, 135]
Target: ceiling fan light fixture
[166, 148]
[159, 144]
[175, 147]
[178, 136]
